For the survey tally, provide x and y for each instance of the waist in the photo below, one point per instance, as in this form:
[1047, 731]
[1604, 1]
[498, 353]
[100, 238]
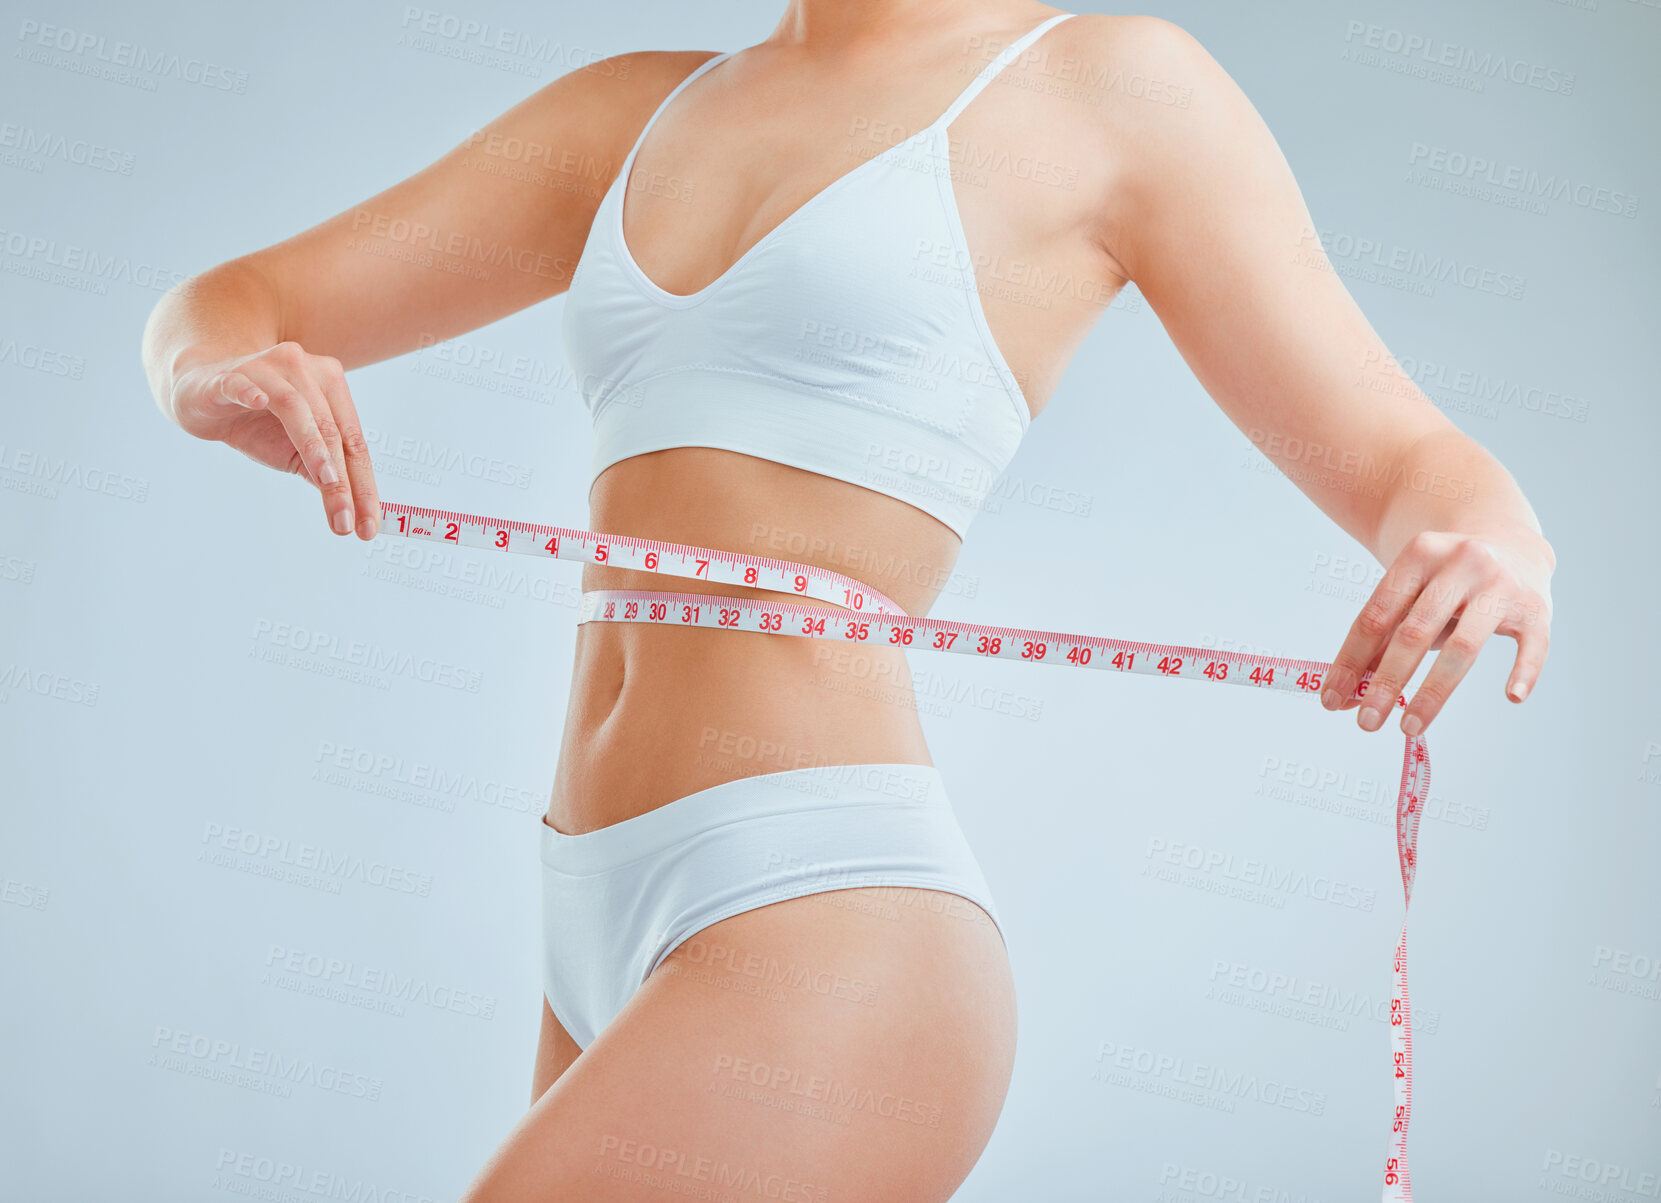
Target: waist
[657, 713]
[670, 671]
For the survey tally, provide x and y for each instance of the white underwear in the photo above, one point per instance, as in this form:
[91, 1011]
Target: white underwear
[618, 900]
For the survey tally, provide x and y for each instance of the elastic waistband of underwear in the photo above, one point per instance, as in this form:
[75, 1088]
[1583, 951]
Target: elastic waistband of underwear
[765, 795]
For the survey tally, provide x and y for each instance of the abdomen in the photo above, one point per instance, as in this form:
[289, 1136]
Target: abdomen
[656, 713]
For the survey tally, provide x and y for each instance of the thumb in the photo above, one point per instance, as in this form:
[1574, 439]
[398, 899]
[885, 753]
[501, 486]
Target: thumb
[203, 403]
[233, 388]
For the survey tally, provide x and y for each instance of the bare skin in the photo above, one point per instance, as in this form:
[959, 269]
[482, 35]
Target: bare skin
[1182, 190]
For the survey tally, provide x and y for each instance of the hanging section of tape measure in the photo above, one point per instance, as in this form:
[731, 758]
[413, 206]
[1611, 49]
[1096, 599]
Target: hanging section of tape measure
[865, 615]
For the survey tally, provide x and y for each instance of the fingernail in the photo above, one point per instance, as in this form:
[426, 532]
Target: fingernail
[342, 522]
[1411, 725]
[1519, 693]
[327, 473]
[1370, 718]
[1331, 700]
[366, 526]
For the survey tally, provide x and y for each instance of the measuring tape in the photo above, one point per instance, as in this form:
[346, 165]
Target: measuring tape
[868, 616]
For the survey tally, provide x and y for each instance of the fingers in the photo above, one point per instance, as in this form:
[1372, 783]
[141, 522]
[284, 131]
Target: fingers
[1458, 653]
[1531, 628]
[1468, 596]
[297, 401]
[1419, 628]
[1371, 630]
[1359, 698]
[360, 477]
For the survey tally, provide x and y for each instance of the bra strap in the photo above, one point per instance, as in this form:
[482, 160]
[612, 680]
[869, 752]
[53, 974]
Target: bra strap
[1005, 56]
[675, 91]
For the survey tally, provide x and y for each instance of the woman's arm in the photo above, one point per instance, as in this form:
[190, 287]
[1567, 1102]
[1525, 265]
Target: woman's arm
[253, 352]
[1208, 220]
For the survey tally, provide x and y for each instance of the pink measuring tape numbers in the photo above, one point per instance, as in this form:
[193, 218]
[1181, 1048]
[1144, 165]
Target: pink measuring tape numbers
[867, 616]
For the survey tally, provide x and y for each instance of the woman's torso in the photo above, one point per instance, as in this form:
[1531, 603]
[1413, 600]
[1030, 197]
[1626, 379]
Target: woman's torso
[657, 713]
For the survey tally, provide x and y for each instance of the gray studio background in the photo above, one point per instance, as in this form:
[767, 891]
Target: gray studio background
[178, 1018]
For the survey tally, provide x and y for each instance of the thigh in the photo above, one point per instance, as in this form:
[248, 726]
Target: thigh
[555, 1052]
[852, 1044]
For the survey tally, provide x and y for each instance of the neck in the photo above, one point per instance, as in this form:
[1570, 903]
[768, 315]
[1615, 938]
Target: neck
[848, 24]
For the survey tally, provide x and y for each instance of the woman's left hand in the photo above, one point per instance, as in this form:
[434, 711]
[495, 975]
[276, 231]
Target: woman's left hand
[1450, 591]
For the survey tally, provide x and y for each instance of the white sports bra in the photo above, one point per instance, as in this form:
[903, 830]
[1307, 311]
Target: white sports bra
[850, 341]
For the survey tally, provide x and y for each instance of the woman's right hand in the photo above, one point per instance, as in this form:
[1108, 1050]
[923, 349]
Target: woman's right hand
[291, 411]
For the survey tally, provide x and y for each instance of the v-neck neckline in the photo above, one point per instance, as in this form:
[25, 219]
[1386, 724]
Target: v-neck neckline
[682, 299]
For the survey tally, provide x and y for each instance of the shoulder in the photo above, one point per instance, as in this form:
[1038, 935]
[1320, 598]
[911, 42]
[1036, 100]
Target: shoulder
[594, 113]
[651, 68]
[614, 95]
[1132, 39]
[1130, 66]
[1156, 103]
[623, 84]
[1157, 125]
[1137, 90]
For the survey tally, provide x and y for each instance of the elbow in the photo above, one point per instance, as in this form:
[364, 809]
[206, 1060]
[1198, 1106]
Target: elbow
[152, 350]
